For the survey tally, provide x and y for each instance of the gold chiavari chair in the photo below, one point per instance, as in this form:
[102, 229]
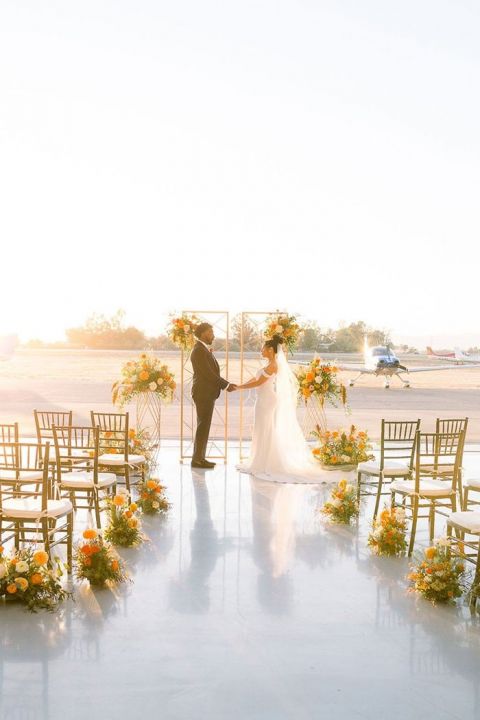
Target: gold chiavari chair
[436, 494]
[80, 480]
[26, 507]
[45, 421]
[463, 535]
[114, 452]
[445, 469]
[397, 447]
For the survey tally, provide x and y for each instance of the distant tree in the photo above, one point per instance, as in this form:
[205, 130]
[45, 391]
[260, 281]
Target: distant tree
[351, 337]
[252, 336]
[102, 332]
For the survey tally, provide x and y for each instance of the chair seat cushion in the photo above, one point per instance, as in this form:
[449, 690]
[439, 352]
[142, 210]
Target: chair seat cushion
[468, 520]
[428, 488]
[473, 483]
[113, 459]
[392, 468]
[31, 508]
[80, 480]
[25, 475]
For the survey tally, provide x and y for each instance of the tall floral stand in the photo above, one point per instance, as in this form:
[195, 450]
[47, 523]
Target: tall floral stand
[149, 415]
[314, 417]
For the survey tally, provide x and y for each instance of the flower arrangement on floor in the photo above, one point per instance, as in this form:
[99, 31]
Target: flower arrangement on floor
[124, 525]
[388, 536]
[95, 561]
[339, 448]
[319, 380]
[181, 331]
[342, 505]
[284, 325]
[437, 575]
[147, 374]
[27, 577]
[151, 497]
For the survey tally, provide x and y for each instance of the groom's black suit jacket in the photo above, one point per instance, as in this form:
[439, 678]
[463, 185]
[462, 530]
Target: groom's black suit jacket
[207, 383]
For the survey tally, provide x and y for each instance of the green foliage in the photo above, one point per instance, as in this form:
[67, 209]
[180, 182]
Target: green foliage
[106, 333]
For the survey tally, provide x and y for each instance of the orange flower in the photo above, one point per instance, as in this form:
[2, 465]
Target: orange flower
[36, 579]
[86, 549]
[115, 565]
[430, 553]
[131, 434]
[310, 376]
[151, 484]
[40, 557]
[1, 549]
[128, 514]
[144, 375]
[119, 500]
[90, 534]
[12, 589]
[87, 561]
[133, 507]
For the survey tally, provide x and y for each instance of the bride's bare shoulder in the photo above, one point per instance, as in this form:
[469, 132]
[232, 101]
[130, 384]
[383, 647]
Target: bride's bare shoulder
[272, 367]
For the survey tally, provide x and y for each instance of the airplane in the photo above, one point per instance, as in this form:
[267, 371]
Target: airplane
[447, 355]
[457, 356]
[8, 343]
[382, 361]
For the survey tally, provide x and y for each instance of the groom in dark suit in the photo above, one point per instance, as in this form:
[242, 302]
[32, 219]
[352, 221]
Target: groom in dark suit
[206, 388]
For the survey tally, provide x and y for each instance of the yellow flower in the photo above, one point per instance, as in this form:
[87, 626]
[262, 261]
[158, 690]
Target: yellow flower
[40, 557]
[90, 534]
[119, 500]
[21, 583]
[133, 507]
[430, 553]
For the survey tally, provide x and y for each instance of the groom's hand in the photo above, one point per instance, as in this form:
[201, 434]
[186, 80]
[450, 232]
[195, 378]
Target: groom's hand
[231, 387]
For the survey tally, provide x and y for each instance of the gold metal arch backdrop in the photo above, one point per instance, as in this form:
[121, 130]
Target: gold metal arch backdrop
[251, 340]
[217, 446]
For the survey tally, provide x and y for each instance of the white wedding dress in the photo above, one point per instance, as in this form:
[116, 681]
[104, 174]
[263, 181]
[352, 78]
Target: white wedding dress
[279, 451]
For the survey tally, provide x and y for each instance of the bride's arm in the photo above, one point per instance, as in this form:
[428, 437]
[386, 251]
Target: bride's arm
[256, 382]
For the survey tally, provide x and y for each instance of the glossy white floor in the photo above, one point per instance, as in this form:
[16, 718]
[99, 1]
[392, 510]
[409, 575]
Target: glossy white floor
[245, 606]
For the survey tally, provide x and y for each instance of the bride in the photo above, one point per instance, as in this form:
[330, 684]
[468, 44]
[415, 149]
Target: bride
[279, 451]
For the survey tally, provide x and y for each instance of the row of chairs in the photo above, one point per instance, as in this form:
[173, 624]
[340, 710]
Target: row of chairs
[419, 470]
[43, 482]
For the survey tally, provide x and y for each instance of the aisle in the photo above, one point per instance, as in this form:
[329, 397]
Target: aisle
[245, 606]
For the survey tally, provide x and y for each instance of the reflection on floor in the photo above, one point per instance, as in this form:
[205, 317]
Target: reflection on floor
[245, 606]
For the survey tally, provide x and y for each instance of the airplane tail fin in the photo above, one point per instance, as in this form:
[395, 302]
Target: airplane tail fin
[429, 350]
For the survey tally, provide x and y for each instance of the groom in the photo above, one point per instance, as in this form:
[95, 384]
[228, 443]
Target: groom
[206, 388]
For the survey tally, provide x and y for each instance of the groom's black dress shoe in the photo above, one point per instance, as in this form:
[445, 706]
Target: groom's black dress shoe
[203, 464]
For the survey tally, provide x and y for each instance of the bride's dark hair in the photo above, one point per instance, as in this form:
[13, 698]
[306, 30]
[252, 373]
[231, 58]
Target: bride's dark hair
[274, 343]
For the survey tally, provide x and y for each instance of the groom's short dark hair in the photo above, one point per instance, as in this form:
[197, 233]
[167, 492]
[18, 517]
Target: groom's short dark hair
[200, 329]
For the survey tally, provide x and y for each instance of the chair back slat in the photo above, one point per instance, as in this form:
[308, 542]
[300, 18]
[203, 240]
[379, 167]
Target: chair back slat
[9, 433]
[113, 429]
[76, 448]
[398, 440]
[24, 471]
[439, 452]
[46, 419]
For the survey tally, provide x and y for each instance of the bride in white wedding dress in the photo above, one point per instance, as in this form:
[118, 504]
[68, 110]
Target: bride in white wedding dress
[279, 451]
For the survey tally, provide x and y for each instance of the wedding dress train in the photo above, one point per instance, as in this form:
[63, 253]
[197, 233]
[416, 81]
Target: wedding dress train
[279, 451]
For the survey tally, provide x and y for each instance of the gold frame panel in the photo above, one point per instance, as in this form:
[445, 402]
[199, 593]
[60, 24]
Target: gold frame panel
[217, 446]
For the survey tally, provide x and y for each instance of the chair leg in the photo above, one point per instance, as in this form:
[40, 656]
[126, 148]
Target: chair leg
[69, 542]
[414, 525]
[359, 485]
[464, 504]
[431, 520]
[379, 492]
[97, 508]
[127, 478]
[46, 535]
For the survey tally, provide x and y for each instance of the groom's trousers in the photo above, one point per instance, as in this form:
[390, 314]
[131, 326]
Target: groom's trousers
[204, 408]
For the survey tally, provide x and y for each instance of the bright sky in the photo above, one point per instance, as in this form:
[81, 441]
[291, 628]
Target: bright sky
[320, 156]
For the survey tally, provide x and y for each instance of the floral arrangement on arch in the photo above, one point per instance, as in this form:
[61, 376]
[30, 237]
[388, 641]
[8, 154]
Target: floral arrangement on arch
[284, 325]
[437, 575]
[339, 447]
[342, 505]
[27, 577]
[181, 331]
[388, 535]
[319, 380]
[147, 374]
[151, 497]
[124, 525]
[96, 561]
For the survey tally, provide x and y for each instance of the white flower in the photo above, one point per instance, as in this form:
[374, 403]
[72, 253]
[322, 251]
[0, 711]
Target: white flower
[155, 504]
[186, 328]
[400, 514]
[349, 488]
[443, 542]
[21, 567]
[160, 381]
[337, 503]
[152, 386]
[279, 329]
[3, 570]
[378, 533]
